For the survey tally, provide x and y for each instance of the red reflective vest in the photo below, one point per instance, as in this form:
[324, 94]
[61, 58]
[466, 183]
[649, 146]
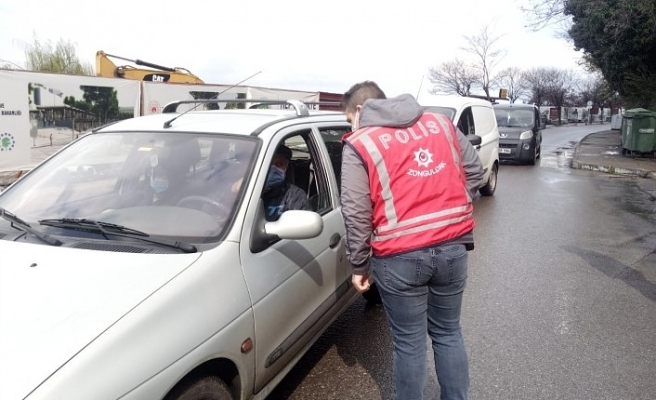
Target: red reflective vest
[417, 184]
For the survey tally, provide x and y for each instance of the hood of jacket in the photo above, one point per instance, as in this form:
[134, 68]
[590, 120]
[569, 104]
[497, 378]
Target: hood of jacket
[396, 112]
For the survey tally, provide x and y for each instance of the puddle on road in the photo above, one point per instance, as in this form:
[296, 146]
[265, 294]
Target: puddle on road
[561, 158]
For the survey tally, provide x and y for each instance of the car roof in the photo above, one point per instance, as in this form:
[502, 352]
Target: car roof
[514, 105]
[453, 101]
[234, 121]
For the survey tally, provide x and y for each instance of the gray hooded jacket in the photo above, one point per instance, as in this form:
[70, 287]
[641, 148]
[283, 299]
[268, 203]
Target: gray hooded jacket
[399, 112]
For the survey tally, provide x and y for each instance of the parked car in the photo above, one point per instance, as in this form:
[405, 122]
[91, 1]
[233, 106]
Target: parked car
[520, 131]
[112, 287]
[475, 118]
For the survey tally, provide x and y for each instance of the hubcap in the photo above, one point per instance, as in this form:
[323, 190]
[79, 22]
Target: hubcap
[493, 179]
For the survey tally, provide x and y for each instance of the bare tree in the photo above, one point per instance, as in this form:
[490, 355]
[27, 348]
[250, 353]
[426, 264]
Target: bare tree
[6, 64]
[560, 87]
[513, 80]
[545, 12]
[453, 77]
[593, 88]
[537, 81]
[483, 47]
[60, 59]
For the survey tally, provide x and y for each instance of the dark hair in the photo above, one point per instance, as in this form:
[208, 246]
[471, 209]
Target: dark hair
[284, 151]
[360, 92]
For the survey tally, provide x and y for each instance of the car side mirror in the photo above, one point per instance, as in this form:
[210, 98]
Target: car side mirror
[475, 140]
[295, 225]
[292, 224]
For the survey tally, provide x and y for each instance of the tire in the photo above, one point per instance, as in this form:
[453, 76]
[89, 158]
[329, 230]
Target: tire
[533, 160]
[491, 185]
[372, 295]
[207, 388]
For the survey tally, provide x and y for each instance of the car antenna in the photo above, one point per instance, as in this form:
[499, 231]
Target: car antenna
[167, 124]
[420, 85]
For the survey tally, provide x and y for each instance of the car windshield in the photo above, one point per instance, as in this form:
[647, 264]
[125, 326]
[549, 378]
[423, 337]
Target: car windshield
[514, 117]
[449, 112]
[179, 185]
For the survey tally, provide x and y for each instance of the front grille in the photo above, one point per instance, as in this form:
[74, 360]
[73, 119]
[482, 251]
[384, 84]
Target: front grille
[508, 145]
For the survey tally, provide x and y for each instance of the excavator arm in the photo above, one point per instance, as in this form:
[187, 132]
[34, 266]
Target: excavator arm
[107, 68]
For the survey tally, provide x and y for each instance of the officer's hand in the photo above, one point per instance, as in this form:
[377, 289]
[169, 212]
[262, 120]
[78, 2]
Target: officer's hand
[361, 282]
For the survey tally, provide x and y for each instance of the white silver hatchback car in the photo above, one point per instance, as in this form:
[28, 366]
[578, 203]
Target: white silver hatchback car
[137, 262]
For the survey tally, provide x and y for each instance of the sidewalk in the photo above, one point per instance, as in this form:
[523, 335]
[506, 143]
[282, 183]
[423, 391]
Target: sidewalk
[602, 152]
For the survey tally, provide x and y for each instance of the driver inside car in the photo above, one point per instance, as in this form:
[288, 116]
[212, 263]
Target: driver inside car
[279, 194]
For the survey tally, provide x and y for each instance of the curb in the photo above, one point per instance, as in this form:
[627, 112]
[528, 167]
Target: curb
[614, 170]
[608, 169]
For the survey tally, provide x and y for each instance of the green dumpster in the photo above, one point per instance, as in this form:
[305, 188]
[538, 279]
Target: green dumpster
[638, 131]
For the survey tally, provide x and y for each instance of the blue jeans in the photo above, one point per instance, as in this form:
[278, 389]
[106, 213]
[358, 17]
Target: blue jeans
[422, 293]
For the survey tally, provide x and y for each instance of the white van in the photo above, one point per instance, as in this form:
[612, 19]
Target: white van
[475, 118]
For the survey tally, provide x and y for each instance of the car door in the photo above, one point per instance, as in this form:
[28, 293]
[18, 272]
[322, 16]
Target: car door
[539, 129]
[295, 285]
[466, 122]
[331, 135]
[485, 126]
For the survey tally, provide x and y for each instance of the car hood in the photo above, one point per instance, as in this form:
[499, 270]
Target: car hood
[511, 133]
[55, 301]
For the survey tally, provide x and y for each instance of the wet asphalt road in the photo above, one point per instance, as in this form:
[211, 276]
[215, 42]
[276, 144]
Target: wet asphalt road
[561, 297]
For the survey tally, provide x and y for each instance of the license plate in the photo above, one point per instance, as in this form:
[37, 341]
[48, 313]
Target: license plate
[504, 151]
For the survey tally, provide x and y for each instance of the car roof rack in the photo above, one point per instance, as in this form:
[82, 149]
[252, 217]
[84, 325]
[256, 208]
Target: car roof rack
[300, 107]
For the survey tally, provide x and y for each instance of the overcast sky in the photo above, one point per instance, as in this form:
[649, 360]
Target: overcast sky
[304, 45]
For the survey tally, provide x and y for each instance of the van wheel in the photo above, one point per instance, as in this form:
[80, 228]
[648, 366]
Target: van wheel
[533, 160]
[208, 388]
[372, 295]
[491, 185]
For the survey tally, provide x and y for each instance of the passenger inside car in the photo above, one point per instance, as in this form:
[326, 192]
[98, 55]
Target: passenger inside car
[167, 178]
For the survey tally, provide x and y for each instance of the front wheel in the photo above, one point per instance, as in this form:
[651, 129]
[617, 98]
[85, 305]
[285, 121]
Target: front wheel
[208, 388]
[533, 160]
[491, 185]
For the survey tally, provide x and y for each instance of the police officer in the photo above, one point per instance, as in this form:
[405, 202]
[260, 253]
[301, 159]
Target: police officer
[408, 179]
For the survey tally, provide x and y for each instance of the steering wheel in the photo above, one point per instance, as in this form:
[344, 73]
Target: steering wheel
[222, 212]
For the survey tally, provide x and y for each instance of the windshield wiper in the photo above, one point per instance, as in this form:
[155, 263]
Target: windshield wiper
[25, 227]
[106, 228]
[96, 226]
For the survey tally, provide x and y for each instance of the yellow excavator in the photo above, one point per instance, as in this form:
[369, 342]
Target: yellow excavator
[106, 68]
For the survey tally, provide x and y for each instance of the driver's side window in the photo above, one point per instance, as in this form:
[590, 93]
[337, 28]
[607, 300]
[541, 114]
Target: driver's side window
[294, 179]
[466, 122]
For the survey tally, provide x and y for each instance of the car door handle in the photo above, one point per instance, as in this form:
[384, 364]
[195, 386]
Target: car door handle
[478, 147]
[334, 240]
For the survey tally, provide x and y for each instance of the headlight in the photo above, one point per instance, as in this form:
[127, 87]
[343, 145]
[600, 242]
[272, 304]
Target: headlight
[526, 135]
